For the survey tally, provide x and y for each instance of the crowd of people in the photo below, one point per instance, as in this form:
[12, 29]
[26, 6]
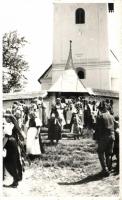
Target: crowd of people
[77, 114]
[22, 125]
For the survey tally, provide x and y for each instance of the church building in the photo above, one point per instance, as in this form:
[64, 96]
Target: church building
[86, 25]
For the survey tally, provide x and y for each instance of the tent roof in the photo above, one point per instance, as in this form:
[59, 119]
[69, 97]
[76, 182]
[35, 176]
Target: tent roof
[68, 82]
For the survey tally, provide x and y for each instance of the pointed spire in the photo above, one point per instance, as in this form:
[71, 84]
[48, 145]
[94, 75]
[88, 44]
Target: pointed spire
[69, 63]
[70, 45]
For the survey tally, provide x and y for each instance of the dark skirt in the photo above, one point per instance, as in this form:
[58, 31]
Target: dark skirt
[54, 130]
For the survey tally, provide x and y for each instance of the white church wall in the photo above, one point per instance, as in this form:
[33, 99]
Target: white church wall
[115, 84]
[89, 40]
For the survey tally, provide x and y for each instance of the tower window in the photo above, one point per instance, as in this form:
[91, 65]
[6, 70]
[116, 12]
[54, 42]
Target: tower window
[80, 72]
[81, 75]
[111, 7]
[80, 16]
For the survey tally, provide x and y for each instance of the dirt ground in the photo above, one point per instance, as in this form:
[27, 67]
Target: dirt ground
[59, 174]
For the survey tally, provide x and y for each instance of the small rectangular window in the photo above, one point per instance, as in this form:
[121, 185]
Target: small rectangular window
[111, 7]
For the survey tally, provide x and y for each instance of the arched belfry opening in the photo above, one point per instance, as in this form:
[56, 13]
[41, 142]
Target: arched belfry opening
[81, 73]
[80, 16]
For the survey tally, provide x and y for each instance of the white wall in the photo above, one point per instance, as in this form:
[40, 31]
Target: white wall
[89, 42]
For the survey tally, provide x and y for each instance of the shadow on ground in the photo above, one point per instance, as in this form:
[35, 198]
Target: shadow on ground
[90, 178]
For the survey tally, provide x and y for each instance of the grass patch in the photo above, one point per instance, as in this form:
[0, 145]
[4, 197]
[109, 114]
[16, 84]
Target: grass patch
[70, 153]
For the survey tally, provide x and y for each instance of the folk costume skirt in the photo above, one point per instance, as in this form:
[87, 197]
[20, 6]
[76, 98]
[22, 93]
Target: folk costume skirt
[32, 143]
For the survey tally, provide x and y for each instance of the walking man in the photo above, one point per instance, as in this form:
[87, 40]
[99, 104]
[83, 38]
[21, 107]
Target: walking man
[104, 136]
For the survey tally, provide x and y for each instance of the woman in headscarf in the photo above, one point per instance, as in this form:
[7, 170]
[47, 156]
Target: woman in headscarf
[54, 126]
[60, 110]
[79, 108]
[75, 128]
[32, 143]
[12, 160]
[87, 115]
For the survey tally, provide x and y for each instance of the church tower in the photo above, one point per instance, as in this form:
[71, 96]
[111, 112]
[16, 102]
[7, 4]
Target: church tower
[85, 24]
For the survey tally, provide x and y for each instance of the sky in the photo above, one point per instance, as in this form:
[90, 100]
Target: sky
[34, 20]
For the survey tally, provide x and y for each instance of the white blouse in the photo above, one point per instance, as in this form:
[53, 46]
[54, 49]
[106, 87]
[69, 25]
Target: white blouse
[8, 128]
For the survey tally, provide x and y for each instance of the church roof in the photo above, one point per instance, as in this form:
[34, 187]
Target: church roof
[106, 93]
[23, 95]
[45, 74]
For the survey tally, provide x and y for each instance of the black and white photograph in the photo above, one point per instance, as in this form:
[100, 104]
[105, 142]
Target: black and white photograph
[60, 99]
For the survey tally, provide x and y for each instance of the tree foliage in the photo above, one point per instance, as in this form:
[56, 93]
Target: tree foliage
[14, 64]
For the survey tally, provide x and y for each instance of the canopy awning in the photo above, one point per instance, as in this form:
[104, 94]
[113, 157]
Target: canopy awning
[68, 82]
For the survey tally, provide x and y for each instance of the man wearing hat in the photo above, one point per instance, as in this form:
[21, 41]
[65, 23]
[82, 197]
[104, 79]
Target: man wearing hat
[104, 136]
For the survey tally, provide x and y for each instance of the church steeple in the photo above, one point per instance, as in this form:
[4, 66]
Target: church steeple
[69, 63]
